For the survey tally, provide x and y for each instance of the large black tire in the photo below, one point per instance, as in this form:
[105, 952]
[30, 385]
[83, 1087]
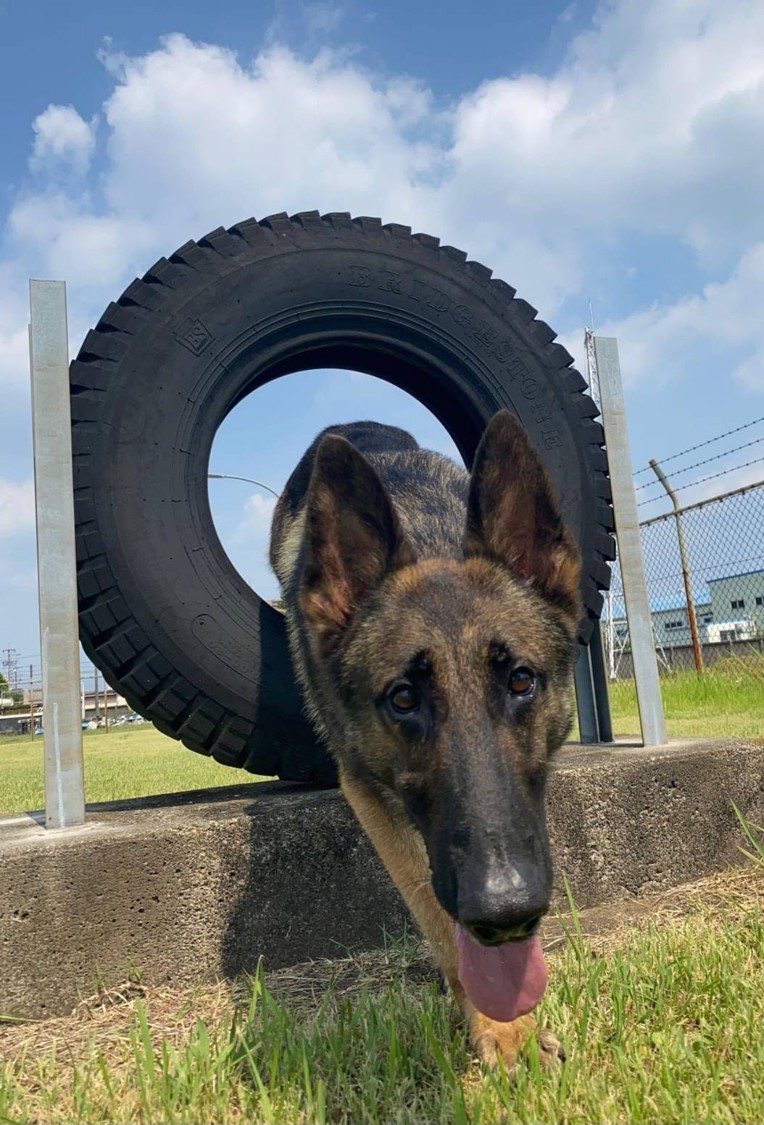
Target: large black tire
[163, 613]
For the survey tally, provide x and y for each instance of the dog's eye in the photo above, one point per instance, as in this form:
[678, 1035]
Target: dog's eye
[522, 681]
[403, 698]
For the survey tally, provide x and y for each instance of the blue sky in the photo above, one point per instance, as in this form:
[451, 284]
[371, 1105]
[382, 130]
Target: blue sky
[607, 152]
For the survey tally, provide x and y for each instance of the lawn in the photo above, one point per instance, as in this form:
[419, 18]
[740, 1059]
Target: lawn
[126, 761]
[726, 701]
[661, 1019]
[136, 761]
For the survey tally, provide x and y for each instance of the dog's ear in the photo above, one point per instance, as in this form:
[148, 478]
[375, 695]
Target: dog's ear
[513, 517]
[352, 538]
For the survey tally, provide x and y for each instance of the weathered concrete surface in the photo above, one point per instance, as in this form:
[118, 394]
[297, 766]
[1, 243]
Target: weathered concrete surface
[186, 886]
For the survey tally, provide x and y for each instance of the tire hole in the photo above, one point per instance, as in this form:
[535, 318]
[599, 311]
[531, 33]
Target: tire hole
[265, 436]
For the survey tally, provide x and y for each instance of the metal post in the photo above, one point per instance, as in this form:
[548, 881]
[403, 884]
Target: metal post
[599, 679]
[588, 727]
[57, 580]
[684, 558]
[646, 676]
[610, 636]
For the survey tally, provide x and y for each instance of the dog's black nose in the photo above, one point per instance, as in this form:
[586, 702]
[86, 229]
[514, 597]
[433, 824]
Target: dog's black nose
[503, 908]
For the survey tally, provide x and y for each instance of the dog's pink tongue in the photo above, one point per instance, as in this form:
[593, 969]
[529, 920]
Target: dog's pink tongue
[502, 981]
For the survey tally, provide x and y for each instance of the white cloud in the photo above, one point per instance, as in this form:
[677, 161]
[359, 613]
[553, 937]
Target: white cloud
[247, 544]
[73, 243]
[62, 141]
[255, 524]
[14, 350]
[225, 140]
[724, 320]
[652, 124]
[17, 506]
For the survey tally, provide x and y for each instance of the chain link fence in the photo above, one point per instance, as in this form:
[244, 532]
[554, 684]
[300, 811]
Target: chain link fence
[707, 605]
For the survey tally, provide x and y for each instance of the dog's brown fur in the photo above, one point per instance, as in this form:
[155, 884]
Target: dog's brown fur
[406, 579]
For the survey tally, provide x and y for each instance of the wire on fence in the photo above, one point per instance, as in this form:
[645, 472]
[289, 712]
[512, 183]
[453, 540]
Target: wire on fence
[724, 543]
[701, 444]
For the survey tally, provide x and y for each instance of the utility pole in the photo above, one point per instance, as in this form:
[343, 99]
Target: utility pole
[10, 663]
[95, 695]
[31, 701]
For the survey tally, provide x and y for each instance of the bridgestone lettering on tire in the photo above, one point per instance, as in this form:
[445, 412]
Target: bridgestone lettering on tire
[163, 613]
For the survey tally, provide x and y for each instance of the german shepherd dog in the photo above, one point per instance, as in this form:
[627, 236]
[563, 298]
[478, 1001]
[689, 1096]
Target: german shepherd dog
[432, 620]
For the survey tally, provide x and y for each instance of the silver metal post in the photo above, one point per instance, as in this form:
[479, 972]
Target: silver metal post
[56, 565]
[646, 676]
[684, 559]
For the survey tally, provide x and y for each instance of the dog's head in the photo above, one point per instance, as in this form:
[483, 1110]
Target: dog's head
[453, 678]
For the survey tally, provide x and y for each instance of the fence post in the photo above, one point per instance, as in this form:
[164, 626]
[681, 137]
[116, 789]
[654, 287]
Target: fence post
[643, 657]
[684, 558]
[56, 563]
[586, 705]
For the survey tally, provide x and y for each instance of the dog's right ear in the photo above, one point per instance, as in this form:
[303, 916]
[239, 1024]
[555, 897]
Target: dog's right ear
[352, 539]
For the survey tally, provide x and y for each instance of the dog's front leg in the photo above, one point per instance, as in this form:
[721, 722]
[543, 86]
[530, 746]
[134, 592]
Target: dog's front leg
[401, 849]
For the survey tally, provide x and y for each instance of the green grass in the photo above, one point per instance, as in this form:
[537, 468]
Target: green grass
[128, 761]
[725, 701]
[661, 1024]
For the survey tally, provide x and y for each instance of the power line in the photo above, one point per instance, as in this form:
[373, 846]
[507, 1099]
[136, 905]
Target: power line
[709, 441]
[707, 461]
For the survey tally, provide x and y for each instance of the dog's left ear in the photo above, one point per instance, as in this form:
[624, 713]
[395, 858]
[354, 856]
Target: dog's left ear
[352, 539]
[513, 517]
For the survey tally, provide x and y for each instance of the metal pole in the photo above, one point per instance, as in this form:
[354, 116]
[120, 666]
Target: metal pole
[610, 636]
[689, 599]
[645, 663]
[56, 562]
[588, 727]
[599, 679]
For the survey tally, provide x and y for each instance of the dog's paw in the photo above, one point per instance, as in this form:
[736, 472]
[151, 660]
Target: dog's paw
[551, 1050]
[502, 1042]
[496, 1042]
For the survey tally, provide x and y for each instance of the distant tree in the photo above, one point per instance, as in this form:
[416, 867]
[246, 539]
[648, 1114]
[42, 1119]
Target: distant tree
[5, 692]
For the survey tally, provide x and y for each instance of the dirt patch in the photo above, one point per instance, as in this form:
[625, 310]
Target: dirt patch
[107, 1018]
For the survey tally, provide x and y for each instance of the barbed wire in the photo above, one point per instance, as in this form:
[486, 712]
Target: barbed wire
[702, 480]
[708, 441]
[706, 461]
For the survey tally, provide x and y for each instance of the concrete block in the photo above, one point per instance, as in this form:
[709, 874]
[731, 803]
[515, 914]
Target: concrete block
[193, 885]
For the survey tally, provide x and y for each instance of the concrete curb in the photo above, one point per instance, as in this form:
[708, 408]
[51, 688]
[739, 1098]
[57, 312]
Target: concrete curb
[191, 885]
